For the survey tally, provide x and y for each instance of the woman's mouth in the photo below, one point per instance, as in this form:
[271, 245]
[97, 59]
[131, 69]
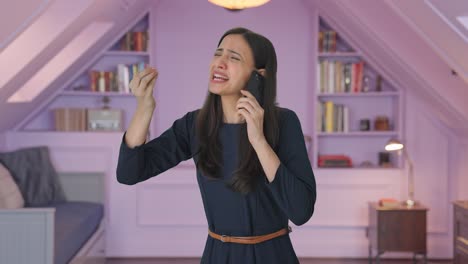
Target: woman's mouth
[219, 78]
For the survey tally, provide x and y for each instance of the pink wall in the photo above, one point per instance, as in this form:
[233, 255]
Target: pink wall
[2, 142]
[460, 169]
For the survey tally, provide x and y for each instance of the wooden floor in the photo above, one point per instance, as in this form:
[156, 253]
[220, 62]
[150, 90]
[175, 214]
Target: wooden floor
[302, 261]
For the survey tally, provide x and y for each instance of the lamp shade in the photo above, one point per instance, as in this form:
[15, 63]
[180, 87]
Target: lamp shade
[393, 145]
[238, 4]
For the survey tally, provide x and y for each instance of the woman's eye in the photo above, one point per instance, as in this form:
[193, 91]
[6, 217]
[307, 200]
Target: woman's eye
[217, 54]
[235, 58]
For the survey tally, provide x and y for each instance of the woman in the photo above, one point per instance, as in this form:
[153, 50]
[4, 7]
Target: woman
[252, 165]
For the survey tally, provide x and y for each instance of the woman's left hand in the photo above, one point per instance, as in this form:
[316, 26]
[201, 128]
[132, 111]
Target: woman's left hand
[253, 113]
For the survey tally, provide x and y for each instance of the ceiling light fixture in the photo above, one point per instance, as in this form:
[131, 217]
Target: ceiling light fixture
[235, 5]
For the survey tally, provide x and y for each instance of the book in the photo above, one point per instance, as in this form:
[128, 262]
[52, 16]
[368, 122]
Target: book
[389, 202]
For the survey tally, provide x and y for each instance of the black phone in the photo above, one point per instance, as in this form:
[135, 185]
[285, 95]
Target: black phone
[255, 86]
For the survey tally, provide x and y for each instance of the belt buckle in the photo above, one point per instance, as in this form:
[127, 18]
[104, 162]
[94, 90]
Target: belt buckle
[223, 237]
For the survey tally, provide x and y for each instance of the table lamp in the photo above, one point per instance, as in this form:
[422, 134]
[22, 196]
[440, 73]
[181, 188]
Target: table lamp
[396, 145]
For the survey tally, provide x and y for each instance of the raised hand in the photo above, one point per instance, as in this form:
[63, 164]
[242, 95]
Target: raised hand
[142, 86]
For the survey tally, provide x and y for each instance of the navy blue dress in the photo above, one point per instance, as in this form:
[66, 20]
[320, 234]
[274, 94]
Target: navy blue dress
[291, 195]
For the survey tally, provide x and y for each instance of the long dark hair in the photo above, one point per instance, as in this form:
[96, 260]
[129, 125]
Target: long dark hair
[210, 118]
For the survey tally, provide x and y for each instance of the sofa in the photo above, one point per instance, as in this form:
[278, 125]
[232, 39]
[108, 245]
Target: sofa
[38, 224]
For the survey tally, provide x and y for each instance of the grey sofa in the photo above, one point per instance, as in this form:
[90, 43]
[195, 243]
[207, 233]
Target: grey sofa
[50, 228]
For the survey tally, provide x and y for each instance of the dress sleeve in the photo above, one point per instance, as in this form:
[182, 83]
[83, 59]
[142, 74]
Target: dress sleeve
[160, 154]
[293, 187]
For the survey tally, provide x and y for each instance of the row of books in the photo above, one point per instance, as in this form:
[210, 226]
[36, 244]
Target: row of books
[340, 77]
[332, 117]
[327, 41]
[134, 41]
[86, 119]
[118, 81]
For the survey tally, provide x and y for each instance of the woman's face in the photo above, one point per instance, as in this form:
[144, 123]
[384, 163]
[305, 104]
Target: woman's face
[231, 66]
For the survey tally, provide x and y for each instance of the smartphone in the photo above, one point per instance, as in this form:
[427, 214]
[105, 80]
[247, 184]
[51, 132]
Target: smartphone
[255, 86]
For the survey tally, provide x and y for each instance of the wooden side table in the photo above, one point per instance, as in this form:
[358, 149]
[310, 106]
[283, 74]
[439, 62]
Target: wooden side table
[399, 228]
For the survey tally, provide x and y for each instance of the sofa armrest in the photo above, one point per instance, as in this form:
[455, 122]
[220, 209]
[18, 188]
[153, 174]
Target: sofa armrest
[27, 235]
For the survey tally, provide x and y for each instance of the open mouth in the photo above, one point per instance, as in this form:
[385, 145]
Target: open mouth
[219, 77]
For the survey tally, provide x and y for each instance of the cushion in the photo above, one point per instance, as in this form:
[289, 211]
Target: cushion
[10, 195]
[37, 179]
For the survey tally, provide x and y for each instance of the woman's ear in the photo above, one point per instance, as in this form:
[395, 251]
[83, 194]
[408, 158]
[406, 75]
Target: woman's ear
[262, 72]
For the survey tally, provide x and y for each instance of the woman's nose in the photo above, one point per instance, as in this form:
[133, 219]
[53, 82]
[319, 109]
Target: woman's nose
[221, 63]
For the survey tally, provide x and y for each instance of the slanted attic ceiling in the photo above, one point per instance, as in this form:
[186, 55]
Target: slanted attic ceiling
[119, 13]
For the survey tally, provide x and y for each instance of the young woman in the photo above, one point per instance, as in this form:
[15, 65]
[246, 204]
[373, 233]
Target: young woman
[252, 165]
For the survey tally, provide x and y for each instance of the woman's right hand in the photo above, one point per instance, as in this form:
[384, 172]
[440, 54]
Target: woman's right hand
[142, 86]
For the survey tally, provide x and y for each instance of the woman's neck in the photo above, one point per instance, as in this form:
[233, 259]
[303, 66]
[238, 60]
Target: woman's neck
[230, 110]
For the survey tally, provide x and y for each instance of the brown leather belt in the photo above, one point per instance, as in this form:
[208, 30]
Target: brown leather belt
[249, 239]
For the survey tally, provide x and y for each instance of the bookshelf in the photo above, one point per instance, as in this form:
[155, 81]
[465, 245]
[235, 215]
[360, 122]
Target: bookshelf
[357, 110]
[101, 83]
